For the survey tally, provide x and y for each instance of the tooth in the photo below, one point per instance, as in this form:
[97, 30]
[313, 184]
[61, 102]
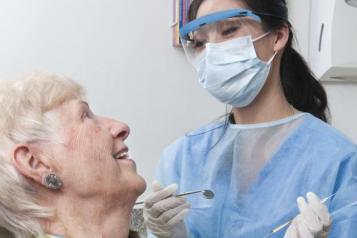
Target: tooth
[121, 155]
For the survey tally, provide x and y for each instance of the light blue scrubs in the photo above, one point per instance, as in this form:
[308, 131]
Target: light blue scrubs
[312, 157]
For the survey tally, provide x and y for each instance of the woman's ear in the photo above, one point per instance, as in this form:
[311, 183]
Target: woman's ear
[282, 37]
[28, 164]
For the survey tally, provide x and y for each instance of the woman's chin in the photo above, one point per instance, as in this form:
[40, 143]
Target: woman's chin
[130, 188]
[140, 186]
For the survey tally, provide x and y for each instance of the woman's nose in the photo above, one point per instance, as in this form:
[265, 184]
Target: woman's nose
[119, 130]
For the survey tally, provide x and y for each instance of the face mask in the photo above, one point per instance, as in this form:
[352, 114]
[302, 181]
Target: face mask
[232, 72]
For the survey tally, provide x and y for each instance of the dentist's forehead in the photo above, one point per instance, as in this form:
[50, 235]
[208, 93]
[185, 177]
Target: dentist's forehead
[212, 6]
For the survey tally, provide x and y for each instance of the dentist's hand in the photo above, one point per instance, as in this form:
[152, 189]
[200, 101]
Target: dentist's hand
[164, 213]
[313, 221]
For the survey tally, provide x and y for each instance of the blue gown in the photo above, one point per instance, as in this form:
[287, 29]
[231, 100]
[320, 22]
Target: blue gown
[256, 190]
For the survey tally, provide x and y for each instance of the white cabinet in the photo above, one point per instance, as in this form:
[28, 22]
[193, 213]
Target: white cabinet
[333, 39]
[352, 2]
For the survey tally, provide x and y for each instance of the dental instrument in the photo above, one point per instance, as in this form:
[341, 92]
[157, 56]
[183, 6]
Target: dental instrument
[208, 194]
[289, 222]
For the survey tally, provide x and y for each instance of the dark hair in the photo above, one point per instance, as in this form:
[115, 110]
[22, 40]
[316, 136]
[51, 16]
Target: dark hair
[300, 86]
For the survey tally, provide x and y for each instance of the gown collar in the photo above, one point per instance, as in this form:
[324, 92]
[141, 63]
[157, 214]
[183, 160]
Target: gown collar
[268, 124]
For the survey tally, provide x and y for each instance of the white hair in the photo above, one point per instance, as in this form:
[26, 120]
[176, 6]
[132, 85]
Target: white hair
[24, 107]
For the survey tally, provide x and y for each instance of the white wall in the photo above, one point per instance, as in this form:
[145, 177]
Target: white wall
[121, 52]
[342, 97]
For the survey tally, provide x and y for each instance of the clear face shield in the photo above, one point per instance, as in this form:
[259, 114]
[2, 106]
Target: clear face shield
[208, 30]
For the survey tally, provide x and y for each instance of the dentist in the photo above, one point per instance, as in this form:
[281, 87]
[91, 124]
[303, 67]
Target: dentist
[273, 147]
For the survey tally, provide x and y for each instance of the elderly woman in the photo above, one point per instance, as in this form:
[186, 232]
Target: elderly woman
[64, 171]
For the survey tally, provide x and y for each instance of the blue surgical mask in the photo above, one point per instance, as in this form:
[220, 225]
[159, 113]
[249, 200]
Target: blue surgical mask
[232, 72]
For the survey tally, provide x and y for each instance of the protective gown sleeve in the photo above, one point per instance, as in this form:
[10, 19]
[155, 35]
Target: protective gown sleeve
[168, 173]
[169, 168]
[343, 206]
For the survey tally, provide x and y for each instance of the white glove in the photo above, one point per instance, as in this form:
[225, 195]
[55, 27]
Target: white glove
[313, 221]
[164, 213]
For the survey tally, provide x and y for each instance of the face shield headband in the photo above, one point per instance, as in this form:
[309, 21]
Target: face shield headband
[215, 17]
[222, 15]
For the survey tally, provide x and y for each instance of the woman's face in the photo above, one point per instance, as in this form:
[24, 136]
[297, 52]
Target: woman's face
[233, 28]
[89, 161]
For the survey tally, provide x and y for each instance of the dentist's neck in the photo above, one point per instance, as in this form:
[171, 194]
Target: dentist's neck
[270, 104]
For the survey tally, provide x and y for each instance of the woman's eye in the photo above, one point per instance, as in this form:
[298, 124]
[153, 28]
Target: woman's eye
[230, 30]
[198, 44]
[84, 115]
[87, 114]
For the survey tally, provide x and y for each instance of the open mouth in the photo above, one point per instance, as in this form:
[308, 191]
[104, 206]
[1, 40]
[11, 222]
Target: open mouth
[121, 155]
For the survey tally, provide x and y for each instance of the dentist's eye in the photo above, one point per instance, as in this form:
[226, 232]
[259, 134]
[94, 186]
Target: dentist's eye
[230, 31]
[198, 44]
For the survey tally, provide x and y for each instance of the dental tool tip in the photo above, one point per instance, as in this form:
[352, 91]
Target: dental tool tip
[208, 194]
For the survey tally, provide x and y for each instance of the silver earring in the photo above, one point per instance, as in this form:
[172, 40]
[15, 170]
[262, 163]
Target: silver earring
[52, 181]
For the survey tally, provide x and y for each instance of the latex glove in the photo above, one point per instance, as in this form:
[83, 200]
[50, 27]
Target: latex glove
[164, 213]
[313, 221]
